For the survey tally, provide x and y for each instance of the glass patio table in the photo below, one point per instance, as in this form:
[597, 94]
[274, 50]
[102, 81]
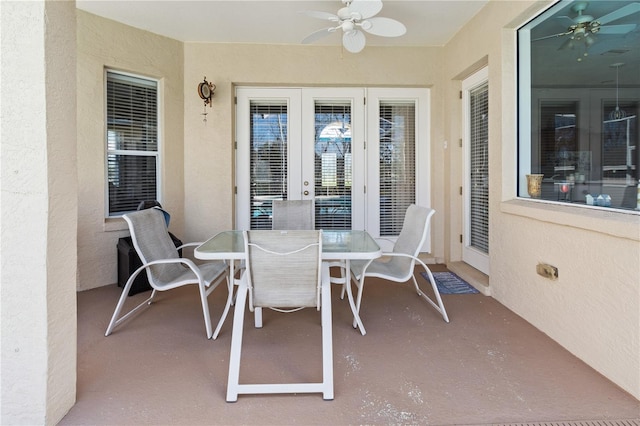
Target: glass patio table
[337, 245]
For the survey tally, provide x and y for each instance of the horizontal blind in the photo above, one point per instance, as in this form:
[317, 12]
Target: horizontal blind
[268, 162]
[397, 164]
[132, 141]
[479, 165]
[333, 165]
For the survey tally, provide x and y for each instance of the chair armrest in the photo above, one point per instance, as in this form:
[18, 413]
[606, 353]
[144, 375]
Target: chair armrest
[385, 243]
[391, 254]
[417, 259]
[187, 262]
[188, 245]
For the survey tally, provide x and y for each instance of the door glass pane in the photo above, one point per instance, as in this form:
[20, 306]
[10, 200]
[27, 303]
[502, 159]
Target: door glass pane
[397, 164]
[479, 168]
[333, 166]
[268, 142]
[619, 138]
[560, 156]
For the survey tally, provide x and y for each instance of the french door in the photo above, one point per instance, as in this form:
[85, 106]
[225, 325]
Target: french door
[475, 249]
[358, 161]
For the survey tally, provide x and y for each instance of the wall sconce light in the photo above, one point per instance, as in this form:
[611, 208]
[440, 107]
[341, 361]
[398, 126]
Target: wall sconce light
[206, 91]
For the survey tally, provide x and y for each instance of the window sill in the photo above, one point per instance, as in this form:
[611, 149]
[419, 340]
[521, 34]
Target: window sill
[617, 223]
[113, 224]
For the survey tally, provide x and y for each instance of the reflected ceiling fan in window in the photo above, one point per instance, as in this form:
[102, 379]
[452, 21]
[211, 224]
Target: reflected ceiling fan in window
[583, 27]
[356, 15]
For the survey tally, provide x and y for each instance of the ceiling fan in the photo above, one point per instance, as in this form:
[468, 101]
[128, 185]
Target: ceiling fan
[583, 27]
[354, 16]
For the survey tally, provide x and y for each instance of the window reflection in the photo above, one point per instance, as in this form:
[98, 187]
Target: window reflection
[579, 85]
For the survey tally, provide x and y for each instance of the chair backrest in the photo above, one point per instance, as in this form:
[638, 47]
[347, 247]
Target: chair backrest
[284, 268]
[152, 242]
[413, 235]
[292, 214]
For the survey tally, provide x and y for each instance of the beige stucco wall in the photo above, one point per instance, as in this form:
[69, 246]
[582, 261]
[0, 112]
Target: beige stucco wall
[101, 44]
[38, 215]
[593, 309]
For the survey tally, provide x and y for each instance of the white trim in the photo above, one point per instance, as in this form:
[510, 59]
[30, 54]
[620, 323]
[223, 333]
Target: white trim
[470, 255]
[158, 154]
[421, 98]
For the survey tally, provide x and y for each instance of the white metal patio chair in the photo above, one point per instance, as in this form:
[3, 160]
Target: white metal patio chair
[292, 214]
[165, 269]
[298, 214]
[284, 272]
[398, 265]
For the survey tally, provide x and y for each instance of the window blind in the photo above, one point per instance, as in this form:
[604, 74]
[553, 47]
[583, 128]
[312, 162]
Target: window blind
[397, 164]
[479, 168]
[268, 162]
[333, 165]
[132, 141]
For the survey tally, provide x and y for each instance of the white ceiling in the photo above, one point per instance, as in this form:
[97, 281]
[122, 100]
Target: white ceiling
[428, 22]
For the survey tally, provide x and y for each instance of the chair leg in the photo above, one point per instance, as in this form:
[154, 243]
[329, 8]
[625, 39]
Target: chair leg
[440, 305]
[327, 337]
[123, 297]
[227, 306]
[236, 343]
[360, 287]
[205, 310]
[257, 317]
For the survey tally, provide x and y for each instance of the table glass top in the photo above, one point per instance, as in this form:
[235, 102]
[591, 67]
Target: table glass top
[339, 242]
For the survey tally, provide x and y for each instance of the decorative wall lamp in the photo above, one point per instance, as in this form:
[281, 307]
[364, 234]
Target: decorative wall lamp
[206, 91]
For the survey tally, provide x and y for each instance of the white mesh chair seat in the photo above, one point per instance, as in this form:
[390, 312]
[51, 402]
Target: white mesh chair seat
[398, 265]
[165, 269]
[284, 272]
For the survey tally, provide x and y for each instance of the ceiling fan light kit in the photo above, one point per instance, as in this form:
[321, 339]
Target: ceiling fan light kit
[354, 16]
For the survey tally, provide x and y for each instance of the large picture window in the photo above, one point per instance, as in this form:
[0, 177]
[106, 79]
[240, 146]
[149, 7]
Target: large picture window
[132, 142]
[579, 100]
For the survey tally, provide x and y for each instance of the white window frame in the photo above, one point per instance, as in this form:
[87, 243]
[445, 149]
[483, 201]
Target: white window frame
[156, 154]
[471, 255]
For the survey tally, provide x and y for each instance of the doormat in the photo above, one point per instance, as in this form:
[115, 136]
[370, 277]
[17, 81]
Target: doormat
[450, 283]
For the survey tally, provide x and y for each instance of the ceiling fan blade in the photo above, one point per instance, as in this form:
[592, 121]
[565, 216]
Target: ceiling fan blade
[552, 36]
[366, 8]
[620, 13]
[617, 29]
[320, 15]
[353, 41]
[385, 27]
[317, 35]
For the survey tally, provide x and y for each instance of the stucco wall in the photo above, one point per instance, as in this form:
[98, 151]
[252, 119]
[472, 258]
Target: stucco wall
[593, 309]
[101, 44]
[38, 225]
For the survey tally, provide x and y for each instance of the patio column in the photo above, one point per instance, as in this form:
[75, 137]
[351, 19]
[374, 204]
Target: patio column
[38, 207]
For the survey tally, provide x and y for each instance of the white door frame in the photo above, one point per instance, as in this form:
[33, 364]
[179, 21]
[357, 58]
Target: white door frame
[474, 257]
